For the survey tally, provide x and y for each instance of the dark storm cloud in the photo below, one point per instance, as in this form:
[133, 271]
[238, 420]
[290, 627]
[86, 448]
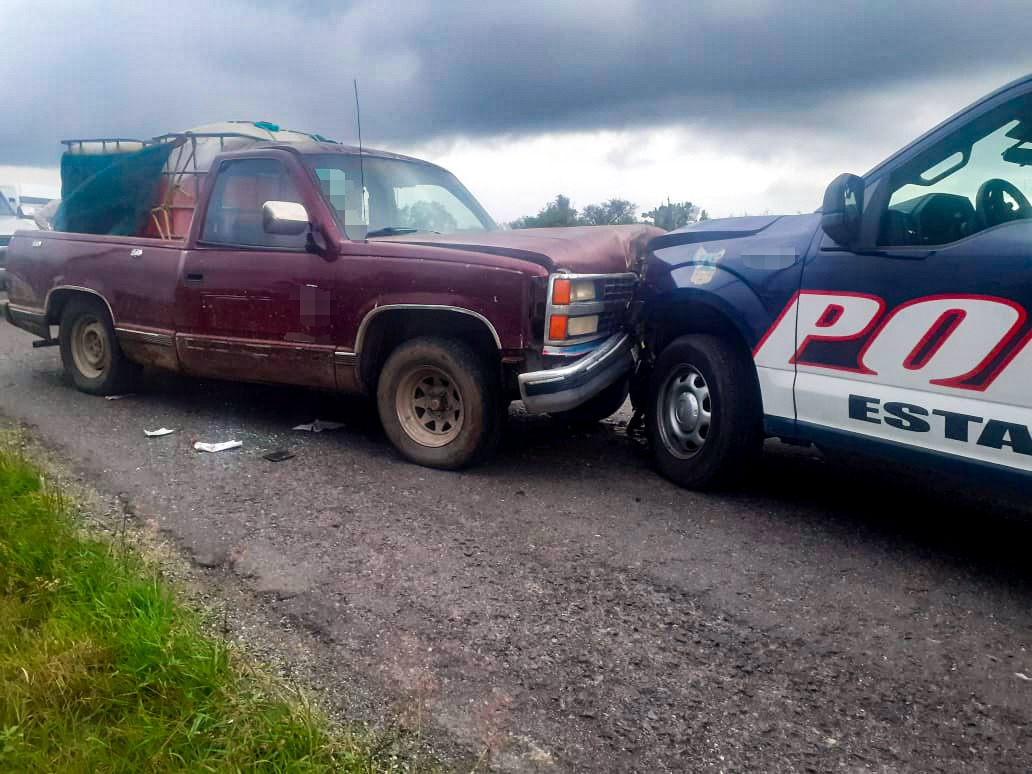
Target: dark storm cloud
[451, 67]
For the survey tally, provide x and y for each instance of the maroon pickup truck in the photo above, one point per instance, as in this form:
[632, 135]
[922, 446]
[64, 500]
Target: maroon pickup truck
[289, 274]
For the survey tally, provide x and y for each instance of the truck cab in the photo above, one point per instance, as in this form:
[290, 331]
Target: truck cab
[893, 321]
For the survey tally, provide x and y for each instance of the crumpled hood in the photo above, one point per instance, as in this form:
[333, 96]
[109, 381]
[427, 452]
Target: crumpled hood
[581, 249]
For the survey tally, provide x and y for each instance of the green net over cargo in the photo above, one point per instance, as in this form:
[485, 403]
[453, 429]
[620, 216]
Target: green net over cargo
[110, 193]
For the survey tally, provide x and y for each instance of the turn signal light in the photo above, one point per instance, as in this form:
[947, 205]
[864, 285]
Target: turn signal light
[561, 292]
[557, 327]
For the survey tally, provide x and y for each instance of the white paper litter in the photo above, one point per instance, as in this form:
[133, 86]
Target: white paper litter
[117, 397]
[158, 433]
[319, 425]
[217, 447]
[1023, 676]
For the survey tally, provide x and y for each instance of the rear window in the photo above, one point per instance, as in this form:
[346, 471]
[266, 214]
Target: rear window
[234, 214]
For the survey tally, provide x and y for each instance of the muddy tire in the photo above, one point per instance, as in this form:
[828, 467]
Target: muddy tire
[90, 353]
[440, 403]
[704, 417]
[600, 407]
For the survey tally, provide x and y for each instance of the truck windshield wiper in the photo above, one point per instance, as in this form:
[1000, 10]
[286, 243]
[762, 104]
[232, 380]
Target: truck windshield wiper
[394, 231]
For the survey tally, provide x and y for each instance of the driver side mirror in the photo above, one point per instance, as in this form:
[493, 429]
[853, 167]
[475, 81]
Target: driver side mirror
[284, 218]
[842, 209]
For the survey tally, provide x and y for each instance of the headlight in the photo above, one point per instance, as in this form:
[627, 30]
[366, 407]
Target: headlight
[566, 291]
[582, 326]
[582, 290]
[561, 327]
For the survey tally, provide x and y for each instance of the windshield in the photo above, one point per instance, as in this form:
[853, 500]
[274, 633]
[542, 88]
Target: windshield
[400, 197]
[5, 206]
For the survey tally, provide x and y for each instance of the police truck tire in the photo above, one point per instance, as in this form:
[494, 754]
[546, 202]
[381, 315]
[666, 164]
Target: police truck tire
[440, 403]
[90, 352]
[704, 417]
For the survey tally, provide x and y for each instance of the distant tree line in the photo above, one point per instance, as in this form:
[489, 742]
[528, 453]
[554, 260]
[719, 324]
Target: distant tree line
[560, 213]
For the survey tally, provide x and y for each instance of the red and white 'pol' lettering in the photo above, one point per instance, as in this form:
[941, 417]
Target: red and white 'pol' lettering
[819, 316]
[944, 341]
[947, 341]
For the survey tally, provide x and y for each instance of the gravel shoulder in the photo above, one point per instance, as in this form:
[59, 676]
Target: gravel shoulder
[563, 607]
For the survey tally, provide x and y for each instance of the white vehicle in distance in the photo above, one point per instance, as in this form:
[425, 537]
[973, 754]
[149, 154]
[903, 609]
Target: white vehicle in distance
[9, 223]
[32, 198]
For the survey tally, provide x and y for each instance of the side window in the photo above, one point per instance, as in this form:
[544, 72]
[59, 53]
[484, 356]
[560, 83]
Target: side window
[234, 215]
[974, 179]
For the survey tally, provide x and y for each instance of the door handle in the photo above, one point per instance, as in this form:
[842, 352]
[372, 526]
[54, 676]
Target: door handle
[194, 276]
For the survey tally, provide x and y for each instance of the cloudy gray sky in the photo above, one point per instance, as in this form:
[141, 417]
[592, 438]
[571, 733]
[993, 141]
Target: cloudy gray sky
[738, 105]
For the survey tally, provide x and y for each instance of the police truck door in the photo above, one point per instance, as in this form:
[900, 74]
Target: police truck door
[922, 339]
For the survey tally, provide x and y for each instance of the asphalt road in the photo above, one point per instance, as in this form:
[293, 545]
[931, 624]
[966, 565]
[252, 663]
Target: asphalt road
[568, 609]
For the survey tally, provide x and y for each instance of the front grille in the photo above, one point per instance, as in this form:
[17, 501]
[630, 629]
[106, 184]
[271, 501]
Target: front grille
[617, 292]
[610, 322]
[618, 289]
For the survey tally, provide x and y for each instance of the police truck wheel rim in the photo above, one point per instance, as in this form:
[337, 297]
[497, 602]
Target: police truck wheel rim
[430, 407]
[90, 349]
[685, 412]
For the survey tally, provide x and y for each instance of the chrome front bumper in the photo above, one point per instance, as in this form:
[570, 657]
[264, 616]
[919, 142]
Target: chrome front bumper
[566, 387]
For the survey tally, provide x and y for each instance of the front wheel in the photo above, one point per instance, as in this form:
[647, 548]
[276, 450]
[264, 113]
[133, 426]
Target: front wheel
[704, 418]
[440, 403]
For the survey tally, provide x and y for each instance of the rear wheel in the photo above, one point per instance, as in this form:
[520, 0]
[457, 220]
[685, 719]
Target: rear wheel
[704, 417]
[440, 403]
[90, 353]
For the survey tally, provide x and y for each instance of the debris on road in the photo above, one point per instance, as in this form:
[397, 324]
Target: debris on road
[279, 455]
[117, 397]
[158, 433]
[1023, 676]
[217, 447]
[319, 425]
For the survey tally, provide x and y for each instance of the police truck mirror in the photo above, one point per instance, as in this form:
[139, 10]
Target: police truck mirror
[284, 218]
[843, 205]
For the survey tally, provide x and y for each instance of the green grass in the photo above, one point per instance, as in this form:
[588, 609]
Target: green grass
[102, 670]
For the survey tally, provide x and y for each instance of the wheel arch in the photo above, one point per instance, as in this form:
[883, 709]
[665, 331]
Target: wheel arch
[58, 297]
[385, 327]
[686, 312]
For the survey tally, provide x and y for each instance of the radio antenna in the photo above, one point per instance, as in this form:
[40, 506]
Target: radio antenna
[361, 166]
